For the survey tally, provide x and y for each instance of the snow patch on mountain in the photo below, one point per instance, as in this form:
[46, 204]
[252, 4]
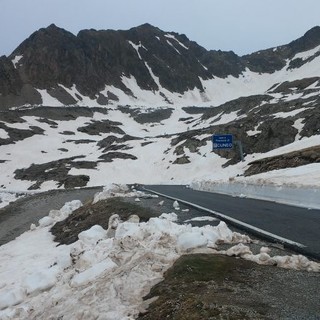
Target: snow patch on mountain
[215, 92]
[16, 60]
[306, 54]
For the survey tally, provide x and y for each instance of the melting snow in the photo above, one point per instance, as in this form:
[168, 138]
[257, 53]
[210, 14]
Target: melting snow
[3, 134]
[204, 218]
[16, 60]
[102, 276]
[289, 113]
[48, 100]
[254, 131]
[174, 38]
[137, 47]
[306, 54]
[298, 124]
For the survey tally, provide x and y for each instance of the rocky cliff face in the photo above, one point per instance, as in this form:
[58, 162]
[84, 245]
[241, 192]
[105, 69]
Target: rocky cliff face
[54, 60]
[93, 59]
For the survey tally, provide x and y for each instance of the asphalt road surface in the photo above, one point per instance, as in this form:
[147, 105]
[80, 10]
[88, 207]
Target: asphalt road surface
[295, 227]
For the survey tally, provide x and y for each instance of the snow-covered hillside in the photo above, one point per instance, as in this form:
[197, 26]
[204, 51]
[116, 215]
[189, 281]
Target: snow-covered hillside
[144, 145]
[215, 91]
[145, 133]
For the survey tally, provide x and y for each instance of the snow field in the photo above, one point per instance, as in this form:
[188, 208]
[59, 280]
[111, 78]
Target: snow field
[155, 161]
[104, 275]
[295, 186]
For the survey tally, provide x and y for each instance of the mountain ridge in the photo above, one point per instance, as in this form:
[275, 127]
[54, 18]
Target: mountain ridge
[96, 61]
[141, 105]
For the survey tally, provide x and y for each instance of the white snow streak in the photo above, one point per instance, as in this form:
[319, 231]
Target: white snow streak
[174, 38]
[174, 48]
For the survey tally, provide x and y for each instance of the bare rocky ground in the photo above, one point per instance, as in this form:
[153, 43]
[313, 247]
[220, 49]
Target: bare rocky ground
[201, 286]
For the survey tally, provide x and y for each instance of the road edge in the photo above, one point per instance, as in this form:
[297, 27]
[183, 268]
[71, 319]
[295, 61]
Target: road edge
[260, 233]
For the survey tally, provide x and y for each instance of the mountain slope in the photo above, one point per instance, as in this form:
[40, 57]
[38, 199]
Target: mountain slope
[141, 106]
[274, 59]
[72, 147]
[143, 65]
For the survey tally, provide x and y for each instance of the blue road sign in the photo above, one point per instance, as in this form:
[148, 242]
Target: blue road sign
[222, 141]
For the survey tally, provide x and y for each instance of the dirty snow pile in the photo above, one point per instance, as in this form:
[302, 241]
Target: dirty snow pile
[106, 273]
[7, 197]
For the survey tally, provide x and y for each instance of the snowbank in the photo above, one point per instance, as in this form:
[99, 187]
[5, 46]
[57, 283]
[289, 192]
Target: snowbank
[302, 196]
[102, 276]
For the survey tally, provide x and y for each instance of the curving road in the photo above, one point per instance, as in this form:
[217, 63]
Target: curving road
[17, 217]
[295, 227]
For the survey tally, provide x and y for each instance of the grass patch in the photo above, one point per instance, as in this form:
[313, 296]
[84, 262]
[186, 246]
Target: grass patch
[202, 286]
[66, 231]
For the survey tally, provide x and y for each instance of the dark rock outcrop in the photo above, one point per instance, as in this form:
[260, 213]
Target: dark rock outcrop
[108, 157]
[97, 127]
[56, 171]
[287, 160]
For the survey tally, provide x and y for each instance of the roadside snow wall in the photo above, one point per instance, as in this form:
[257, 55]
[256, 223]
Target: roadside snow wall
[307, 197]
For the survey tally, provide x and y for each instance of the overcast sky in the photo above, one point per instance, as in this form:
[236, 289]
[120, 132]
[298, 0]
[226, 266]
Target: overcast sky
[243, 26]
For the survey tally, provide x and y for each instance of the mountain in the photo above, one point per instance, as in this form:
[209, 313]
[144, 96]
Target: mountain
[141, 105]
[106, 65]
[53, 58]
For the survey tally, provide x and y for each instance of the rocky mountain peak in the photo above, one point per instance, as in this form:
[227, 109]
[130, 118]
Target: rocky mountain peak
[144, 56]
[49, 37]
[146, 26]
[49, 56]
[308, 41]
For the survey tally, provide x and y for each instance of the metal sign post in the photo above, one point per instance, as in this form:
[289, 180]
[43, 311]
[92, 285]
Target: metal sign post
[239, 144]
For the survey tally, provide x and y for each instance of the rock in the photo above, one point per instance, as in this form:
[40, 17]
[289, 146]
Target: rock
[108, 157]
[78, 181]
[182, 160]
[287, 160]
[97, 127]
[56, 171]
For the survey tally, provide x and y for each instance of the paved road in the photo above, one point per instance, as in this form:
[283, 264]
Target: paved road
[17, 217]
[292, 226]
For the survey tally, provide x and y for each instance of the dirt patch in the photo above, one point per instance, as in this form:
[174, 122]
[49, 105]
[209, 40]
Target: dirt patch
[202, 286]
[66, 231]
